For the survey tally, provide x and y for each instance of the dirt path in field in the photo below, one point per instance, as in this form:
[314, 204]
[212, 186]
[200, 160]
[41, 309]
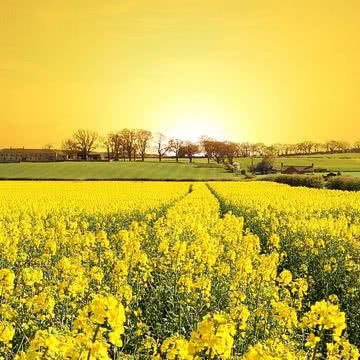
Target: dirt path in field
[221, 206]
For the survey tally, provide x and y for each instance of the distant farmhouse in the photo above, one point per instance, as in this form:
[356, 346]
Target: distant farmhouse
[93, 156]
[15, 155]
[33, 155]
[292, 169]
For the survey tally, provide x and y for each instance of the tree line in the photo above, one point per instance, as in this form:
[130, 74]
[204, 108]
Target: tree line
[133, 144]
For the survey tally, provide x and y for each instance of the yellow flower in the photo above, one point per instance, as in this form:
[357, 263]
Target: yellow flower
[7, 278]
[274, 241]
[284, 314]
[96, 274]
[7, 332]
[273, 349]
[312, 340]
[327, 268]
[32, 276]
[103, 310]
[176, 347]
[214, 335]
[325, 315]
[285, 277]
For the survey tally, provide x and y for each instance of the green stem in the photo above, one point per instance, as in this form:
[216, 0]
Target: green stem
[93, 340]
[316, 345]
[44, 355]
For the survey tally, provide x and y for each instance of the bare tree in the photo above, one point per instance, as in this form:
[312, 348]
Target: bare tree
[304, 147]
[257, 149]
[190, 149]
[317, 147]
[208, 145]
[343, 146]
[309, 145]
[331, 146]
[116, 145]
[175, 146]
[106, 142]
[69, 147]
[143, 139]
[293, 148]
[128, 141]
[48, 146]
[85, 141]
[286, 149]
[280, 149]
[161, 145]
[232, 150]
[244, 149]
[220, 151]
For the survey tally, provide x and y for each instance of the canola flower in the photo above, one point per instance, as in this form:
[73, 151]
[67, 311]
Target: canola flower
[213, 336]
[316, 233]
[177, 271]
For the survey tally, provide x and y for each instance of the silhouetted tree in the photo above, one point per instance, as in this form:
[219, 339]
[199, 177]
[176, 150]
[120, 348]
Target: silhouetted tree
[208, 145]
[232, 150]
[244, 149]
[106, 142]
[116, 145]
[85, 141]
[128, 142]
[317, 147]
[161, 145]
[220, 151]
[257, 149]
[143, 139]
[175, 146]
[190, 149]
[343, 146]
[331, 146]
[280, 149]
[69, 147]
[270, 151]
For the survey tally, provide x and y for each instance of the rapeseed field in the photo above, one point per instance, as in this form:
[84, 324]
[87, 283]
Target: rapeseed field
[131, 270]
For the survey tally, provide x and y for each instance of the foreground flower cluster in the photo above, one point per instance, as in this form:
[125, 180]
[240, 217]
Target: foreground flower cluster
[167, 271]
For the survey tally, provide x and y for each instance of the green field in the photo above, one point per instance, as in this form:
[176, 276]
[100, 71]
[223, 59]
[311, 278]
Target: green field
[348, 164]
[149, 170]
[352, 173]
[331, 162]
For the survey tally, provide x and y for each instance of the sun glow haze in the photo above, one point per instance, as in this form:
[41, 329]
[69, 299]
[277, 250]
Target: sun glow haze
[271, 71]
[191, 121]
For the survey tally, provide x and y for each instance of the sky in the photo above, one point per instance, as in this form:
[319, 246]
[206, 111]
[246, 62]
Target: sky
[242, 70]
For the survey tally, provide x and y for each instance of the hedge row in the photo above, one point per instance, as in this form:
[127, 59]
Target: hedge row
[316, 181]
[344, 183]
[297, 180]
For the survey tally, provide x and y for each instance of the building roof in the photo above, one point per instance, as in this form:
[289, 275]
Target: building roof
[298, 168]
[27, 151]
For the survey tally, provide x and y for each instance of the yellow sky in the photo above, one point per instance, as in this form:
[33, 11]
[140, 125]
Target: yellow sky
[255, 70]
